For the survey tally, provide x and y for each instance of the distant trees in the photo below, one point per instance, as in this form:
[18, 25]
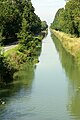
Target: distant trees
[44, 25]
[58, 20]
[68, 19]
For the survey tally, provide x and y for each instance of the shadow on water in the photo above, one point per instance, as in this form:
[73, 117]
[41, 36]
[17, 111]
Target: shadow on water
[72, 72]
[14, 93]
[18, 91]
[24, 79]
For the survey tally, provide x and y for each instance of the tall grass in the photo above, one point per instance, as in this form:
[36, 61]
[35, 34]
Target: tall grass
[70, 43]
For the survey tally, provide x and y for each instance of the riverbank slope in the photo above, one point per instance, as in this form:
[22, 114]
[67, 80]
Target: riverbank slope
[70, 43]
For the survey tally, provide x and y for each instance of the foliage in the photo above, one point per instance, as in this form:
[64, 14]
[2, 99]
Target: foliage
[44, 25]
[68, 19]
[15, 13]
[18, 22]
[9, 21]
[6, 71]
[58, 20]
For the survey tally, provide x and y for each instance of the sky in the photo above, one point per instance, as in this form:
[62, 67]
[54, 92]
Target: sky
[46, 9]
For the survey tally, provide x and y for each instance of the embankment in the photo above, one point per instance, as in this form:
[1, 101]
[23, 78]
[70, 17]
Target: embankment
[70, 43]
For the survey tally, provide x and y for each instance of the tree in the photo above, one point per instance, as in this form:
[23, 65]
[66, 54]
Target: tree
[68, 19]
[58, 20]
[44, 25]
[12, 13]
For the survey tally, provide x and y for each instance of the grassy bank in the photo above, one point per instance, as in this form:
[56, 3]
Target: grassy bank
[12, 60]
[70, 43]
[16, 58]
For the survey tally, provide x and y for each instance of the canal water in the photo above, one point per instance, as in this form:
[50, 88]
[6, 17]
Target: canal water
[51, 90]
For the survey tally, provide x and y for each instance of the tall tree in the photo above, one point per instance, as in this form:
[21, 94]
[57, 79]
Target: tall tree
[68, 19]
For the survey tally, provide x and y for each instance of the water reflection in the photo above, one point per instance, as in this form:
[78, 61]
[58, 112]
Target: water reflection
[72, 72]
[17, 93]
[14, 93]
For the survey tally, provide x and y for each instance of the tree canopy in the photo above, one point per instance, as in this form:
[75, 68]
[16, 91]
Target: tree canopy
[68, 19]
[16, 15]
[18, 22]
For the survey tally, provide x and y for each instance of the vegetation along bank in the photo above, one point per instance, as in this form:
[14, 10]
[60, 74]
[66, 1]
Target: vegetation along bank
[19, 23]
[66, 26]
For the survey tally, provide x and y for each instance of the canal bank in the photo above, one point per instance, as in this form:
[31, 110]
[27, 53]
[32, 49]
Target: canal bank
[70, 43]
[51, 92]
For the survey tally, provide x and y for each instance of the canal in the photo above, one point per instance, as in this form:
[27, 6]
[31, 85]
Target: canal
[50, 91]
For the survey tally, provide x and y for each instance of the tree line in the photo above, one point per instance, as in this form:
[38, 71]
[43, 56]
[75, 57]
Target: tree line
[67, 19]
[18, 22]
[17, 16]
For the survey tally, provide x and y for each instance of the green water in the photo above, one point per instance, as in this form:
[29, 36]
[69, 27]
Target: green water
[50, 90]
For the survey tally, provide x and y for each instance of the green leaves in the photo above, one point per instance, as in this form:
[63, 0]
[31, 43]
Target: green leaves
[44, 25]
[18, 21]
[16, 16]
[68, 19]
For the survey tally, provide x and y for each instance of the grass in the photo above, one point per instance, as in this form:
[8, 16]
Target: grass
[11, 51]
[70, 43]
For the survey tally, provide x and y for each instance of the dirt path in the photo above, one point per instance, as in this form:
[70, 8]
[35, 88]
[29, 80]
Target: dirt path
[10, 46]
